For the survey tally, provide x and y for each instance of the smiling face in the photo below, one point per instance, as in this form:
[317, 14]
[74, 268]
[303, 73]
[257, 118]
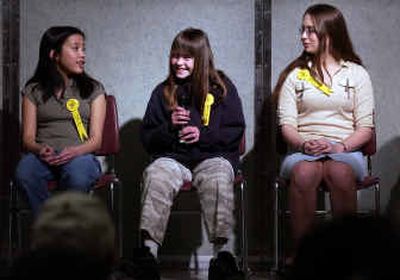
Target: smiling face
[182, 65]
[309, 36]
[71, 59]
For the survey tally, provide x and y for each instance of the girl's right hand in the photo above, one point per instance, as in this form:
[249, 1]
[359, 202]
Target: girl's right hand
[180, 116]
[315, 147]
[47, 153]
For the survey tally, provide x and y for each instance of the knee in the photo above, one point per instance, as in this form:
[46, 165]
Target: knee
[24, 171]
[157, 172]
[216, 169]
[338, 172]
[222, 174]
[339, 176]
[305, 176]
[80, 175]
[76, 181]
[85, 164]
[165, 172]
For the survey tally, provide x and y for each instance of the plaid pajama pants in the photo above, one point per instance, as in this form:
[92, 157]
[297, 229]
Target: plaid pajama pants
[213, 178]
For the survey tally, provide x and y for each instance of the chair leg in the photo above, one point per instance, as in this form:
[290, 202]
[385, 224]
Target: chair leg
[19, 219]
[243, 227]
[15, 234]
[115, 205]
[11, 221]
[377, 188]
[276, 227]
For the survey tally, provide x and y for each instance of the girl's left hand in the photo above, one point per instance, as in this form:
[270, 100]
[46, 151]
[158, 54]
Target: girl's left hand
[316, 147]
[331, 147]
[65, 156]
[189, 134]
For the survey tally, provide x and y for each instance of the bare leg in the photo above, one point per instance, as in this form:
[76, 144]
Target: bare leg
[341, 182]
[304, 181]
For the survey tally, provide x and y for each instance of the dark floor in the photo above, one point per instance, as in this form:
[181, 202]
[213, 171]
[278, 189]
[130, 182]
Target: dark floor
[169, 274]
[258, 269]
[170, 271]
[176, 274]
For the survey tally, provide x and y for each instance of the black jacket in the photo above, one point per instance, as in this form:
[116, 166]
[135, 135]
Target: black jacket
[220, 138]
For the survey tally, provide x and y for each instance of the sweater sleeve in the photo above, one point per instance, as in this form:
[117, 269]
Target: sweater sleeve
[157, 134]
[227, 124]
[364, 100]
[287, 106]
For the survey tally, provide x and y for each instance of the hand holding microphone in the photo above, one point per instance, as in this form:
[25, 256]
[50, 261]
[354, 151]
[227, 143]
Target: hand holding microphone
[181, 117]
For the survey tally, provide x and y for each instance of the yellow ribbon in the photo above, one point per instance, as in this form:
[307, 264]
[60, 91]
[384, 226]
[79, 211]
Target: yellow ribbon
[73, 106]
[304, 74]
[207, 109]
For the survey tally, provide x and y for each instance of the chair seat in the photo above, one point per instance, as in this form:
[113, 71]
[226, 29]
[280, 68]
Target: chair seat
[367, 182]
[105, 180]
[186, 186]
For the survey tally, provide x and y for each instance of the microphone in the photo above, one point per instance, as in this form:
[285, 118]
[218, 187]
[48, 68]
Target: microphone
[184, 99]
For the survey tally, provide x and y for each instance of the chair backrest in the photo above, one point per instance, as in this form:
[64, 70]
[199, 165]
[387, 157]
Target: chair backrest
[110, 140]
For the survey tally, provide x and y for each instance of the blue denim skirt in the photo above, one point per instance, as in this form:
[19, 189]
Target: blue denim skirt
[356, 160]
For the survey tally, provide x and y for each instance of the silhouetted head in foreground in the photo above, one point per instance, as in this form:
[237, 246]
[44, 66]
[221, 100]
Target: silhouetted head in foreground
[72, 238]
[351, 248]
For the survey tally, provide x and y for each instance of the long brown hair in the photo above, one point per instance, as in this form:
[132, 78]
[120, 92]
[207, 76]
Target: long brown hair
[193, 42]
[329, 23]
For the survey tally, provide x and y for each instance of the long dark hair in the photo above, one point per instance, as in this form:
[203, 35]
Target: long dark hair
[194, 42]
[46, 74]
[329, 23]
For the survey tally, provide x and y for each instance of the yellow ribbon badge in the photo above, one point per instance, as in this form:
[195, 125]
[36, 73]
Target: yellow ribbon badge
[73, 106]
[207, 109]
[304, 74]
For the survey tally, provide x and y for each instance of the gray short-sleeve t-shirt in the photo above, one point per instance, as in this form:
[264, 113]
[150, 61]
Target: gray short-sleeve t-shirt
[55, 124]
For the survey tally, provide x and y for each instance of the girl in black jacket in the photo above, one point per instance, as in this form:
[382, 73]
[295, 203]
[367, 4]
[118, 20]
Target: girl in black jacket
[192, 128]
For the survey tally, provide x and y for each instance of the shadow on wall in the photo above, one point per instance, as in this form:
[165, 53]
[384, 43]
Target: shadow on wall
[259, 166]
[129, 165]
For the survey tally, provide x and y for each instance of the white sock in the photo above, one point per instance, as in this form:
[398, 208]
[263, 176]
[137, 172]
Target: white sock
[153, 246]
